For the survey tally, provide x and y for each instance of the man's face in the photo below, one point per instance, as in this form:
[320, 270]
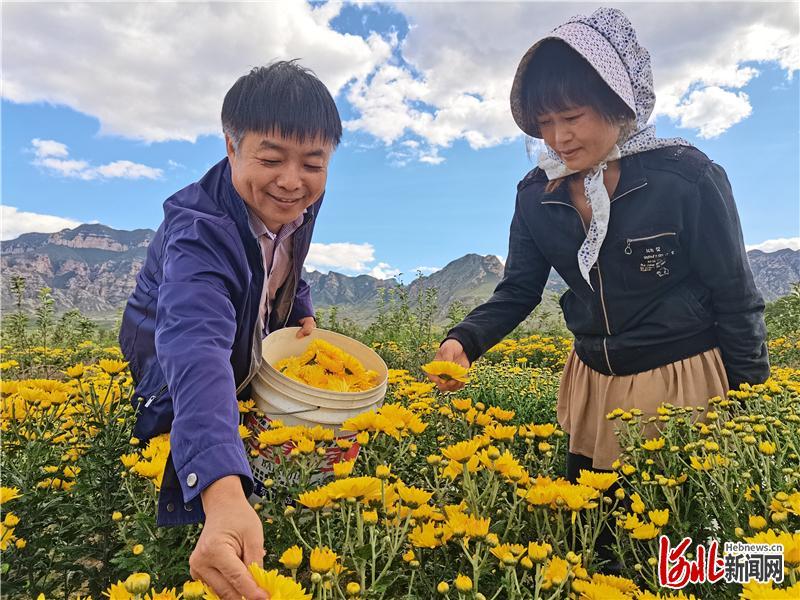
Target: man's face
[278, 177]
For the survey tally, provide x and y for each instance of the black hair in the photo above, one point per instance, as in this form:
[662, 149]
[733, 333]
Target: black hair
[558, 78]
[281, 97]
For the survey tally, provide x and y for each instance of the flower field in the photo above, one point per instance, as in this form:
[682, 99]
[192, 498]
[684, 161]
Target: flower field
[449, 496]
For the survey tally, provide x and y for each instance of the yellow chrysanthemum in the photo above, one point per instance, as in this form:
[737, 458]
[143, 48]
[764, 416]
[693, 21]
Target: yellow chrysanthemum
[112, 367]
[621, 583]
[429, 535]
[193, 590]
[75, 371]
[413, 496]
[645, 532]
[343, 468]
[315, 499]
[463, 583]
[659, 518]
[637, 504]
[278, 586]
[322, 560]
[8, 493]
[446, 370]
[292, 557]
[766, 591]
[790, 542]
[555, 573]
[462, 404]
[654, 444]
[462, 451]
[598, 481]
[117, 591]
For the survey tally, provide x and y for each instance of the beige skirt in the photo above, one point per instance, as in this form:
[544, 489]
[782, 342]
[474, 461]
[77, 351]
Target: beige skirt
[586, 397]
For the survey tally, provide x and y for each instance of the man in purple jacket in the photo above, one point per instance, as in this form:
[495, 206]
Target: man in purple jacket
[223, 270]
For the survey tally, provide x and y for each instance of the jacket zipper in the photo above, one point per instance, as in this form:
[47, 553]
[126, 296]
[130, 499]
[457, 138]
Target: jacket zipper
[255, 358]
[600, 280]
[629, 241]
[608, 361]
[155, 396]
[623, 194]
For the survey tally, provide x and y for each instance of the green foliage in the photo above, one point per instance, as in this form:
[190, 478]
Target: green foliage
[455, 314]
[329, 318]
[783, 315]
[45, 314]
[403, 335]
[16, 324]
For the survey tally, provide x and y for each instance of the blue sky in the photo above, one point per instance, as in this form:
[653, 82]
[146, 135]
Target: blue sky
[430, 156]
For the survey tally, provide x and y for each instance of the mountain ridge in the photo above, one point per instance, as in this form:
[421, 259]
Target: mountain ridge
[93, 268]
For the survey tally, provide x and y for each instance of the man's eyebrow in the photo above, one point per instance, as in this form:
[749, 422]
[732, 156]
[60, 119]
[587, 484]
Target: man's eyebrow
[268, 145]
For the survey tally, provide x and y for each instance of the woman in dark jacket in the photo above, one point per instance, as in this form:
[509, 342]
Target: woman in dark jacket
[643, 230]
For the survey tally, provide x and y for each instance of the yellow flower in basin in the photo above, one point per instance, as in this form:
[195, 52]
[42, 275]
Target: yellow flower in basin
[325, 366]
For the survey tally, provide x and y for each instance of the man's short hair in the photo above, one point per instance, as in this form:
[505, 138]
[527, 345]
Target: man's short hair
[281, 97]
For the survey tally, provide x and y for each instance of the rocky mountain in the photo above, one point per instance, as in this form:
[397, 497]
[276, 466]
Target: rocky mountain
[775, 272]
[93, 268]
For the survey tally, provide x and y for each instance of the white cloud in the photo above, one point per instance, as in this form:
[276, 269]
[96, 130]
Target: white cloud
[15, 222]
[349, 258]
[342, 255]
[776, 244]
[384, 271]
[459, 62]
[159, 71]
[53, 157]
[426, 270]
[712, 110]
[44, 148]
[127, 170]
[448, 80]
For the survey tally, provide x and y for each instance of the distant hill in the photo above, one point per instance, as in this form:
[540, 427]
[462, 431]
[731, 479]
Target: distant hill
[93, 268]
[775, 272]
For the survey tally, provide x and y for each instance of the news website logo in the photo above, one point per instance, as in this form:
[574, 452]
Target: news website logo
[740, 563]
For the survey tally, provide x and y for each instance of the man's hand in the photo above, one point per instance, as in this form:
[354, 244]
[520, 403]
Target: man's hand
[450, 350]
[307, 325]
[232, 538]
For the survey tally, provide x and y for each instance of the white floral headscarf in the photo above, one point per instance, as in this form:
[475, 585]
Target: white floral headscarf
[607, 40]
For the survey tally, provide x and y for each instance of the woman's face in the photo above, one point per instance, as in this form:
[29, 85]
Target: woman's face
[579, 135]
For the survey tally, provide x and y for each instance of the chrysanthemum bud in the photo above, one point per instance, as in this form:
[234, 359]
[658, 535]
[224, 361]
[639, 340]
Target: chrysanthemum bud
[193, 590]
[137, 583]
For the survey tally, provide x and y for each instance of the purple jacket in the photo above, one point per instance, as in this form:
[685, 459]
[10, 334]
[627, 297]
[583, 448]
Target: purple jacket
[190, 333]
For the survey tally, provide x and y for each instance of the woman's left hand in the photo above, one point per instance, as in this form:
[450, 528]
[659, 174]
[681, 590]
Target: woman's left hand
[307, 325]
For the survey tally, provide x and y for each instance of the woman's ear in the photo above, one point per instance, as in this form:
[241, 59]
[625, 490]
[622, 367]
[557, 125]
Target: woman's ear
[627, 128]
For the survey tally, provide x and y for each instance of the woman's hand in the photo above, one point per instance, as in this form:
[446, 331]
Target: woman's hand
[451, 350]
[307, 325]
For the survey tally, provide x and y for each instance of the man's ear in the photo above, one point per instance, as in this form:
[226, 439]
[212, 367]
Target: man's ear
[229, 147]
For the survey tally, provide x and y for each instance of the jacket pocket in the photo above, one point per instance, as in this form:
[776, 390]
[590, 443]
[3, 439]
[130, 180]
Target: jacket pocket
[650, 259]
[154, 414]
[691, 294]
